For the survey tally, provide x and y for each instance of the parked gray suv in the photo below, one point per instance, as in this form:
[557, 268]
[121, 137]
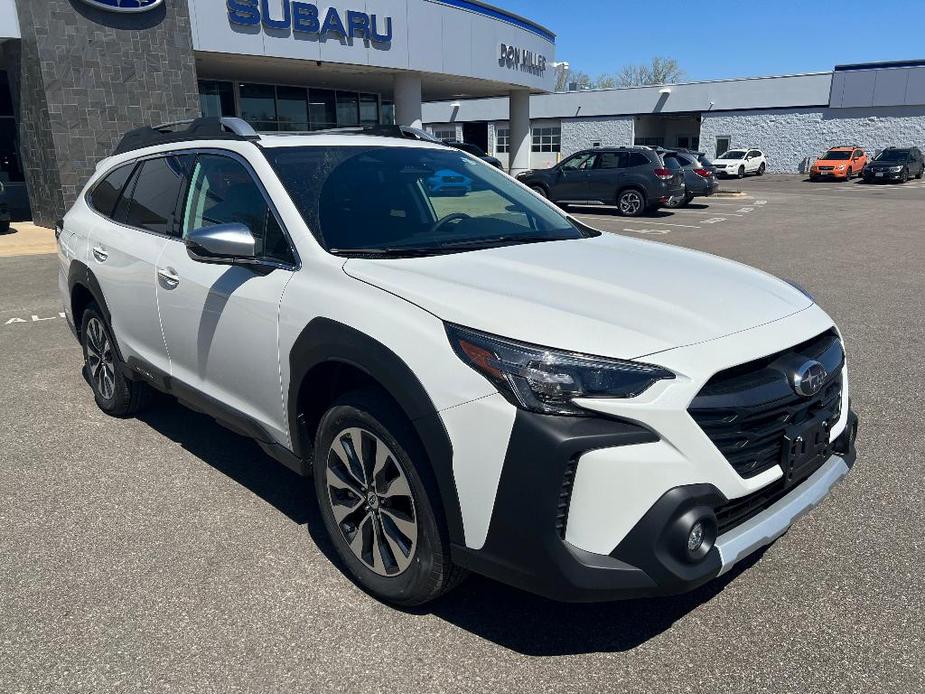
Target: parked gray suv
[635, 179]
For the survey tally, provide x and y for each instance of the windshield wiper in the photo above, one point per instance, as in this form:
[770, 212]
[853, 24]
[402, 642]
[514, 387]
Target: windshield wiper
[501, 241]
[387, 252]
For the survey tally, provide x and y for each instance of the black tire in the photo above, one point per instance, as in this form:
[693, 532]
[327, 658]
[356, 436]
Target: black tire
[539, 190]
[904, 176]
[921, 171]
[631, 202]
[4, 227]
[741, 172]
[115, 395]
[429, 572]
[849, 175]
[761, 169]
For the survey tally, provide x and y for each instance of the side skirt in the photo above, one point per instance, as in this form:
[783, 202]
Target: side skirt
[230, 418]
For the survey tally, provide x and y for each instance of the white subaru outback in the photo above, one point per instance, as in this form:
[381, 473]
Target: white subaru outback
[475, 380]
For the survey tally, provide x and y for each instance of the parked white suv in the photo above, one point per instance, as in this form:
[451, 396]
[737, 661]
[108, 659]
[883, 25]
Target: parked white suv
[740, 162]
[476, 380]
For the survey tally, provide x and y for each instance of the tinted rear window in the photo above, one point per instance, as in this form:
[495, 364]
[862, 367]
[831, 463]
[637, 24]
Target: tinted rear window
[637, 159]
[104, 196]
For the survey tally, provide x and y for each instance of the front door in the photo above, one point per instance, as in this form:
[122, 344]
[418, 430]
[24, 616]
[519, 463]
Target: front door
[571, 182]
[220, 321]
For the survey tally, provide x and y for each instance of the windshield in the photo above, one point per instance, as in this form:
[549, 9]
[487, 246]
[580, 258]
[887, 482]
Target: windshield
[836, 155]
[734, 154]
[893, 155]
[379, 201]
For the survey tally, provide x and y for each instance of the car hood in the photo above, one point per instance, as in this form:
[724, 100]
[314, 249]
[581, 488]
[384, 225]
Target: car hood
[608, 295]
[728, 161]
[832, 162]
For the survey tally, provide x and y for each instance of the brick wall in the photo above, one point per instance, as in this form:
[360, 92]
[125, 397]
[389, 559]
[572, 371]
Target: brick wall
[81, 77]
[790, 137]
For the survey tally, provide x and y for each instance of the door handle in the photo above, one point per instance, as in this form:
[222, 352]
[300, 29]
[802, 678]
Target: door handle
[169, 278]
[100, 253]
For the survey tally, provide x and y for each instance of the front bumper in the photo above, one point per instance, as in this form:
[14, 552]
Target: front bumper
[888, 176]
[526, 548]
[828, 174]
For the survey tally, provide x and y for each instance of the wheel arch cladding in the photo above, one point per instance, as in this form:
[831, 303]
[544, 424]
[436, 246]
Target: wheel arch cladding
[85, 289]
[335, 357]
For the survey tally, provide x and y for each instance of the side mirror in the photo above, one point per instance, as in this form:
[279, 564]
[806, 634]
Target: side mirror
[222, 244]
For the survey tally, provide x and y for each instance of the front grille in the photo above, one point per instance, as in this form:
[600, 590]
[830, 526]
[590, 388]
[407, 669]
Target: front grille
[746, 410]
[826, 168]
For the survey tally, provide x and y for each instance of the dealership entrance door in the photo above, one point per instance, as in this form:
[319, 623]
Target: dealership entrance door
[476, 134]
[668, 130]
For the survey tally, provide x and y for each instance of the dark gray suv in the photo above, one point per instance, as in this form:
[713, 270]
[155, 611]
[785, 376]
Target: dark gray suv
[634, 179]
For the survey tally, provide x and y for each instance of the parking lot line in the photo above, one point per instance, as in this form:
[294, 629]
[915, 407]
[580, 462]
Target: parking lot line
[650, 221]
[713, 213]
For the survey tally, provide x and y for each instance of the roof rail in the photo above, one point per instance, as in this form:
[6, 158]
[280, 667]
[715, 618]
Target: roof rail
[211, 128]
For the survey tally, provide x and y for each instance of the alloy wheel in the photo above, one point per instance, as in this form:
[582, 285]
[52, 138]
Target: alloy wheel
[371, 501]
[630, 203]
[100, 364]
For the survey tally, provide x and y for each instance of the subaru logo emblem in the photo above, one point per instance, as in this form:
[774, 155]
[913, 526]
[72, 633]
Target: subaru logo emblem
[125, 5]
[809, 378]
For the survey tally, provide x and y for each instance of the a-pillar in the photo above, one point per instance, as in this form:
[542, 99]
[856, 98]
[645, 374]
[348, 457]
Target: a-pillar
[520, 131]
[407, 96]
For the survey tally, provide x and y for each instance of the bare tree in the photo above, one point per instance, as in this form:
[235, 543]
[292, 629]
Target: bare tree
[579, 80]
[659, 71]
[562, 77]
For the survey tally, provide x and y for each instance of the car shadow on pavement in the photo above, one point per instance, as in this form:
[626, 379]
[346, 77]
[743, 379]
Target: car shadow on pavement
[511, 618]
[535, 626]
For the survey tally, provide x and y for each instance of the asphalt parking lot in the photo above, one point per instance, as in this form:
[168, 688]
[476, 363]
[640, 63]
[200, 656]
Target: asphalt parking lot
[165, 553]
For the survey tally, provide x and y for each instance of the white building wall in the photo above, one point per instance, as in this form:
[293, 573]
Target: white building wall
[791, 137]
[582, 133]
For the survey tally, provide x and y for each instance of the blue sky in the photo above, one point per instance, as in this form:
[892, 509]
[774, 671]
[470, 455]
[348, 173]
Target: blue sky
[597, 36]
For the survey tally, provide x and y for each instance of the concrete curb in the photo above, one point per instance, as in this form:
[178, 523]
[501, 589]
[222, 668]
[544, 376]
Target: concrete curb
[728, 194]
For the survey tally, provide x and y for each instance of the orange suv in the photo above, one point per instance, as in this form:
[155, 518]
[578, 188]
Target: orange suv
[839, 162]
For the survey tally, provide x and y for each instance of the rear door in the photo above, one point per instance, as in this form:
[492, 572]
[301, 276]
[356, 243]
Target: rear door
[754, 160]
[124, 251]
[606, 176]
[220, 320]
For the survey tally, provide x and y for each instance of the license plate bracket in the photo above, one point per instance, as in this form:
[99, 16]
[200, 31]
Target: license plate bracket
[805, 446]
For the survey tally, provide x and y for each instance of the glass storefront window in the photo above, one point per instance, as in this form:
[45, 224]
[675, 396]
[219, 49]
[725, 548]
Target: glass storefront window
[6, 99]
[292, 108]
[258, 105]
[322, 112]
[216, 98]
[387, 113]
[369, 109]
[10, 166]
[347, 112]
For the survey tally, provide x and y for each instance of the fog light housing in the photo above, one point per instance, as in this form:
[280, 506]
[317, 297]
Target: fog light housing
[695, 538]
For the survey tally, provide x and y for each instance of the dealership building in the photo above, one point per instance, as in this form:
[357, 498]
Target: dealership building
[75, 75]
[792, 118]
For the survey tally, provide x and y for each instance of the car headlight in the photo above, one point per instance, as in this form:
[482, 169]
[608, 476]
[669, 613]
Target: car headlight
[546, 380]
[841, 167]
[896, 169]
[524, 174]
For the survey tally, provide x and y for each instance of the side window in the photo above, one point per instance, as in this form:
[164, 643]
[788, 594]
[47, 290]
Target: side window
[637, 159]
[754, 153]
[610, 160]
[154, 196]
[222, 191]
[579, 161]
[106, 192]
